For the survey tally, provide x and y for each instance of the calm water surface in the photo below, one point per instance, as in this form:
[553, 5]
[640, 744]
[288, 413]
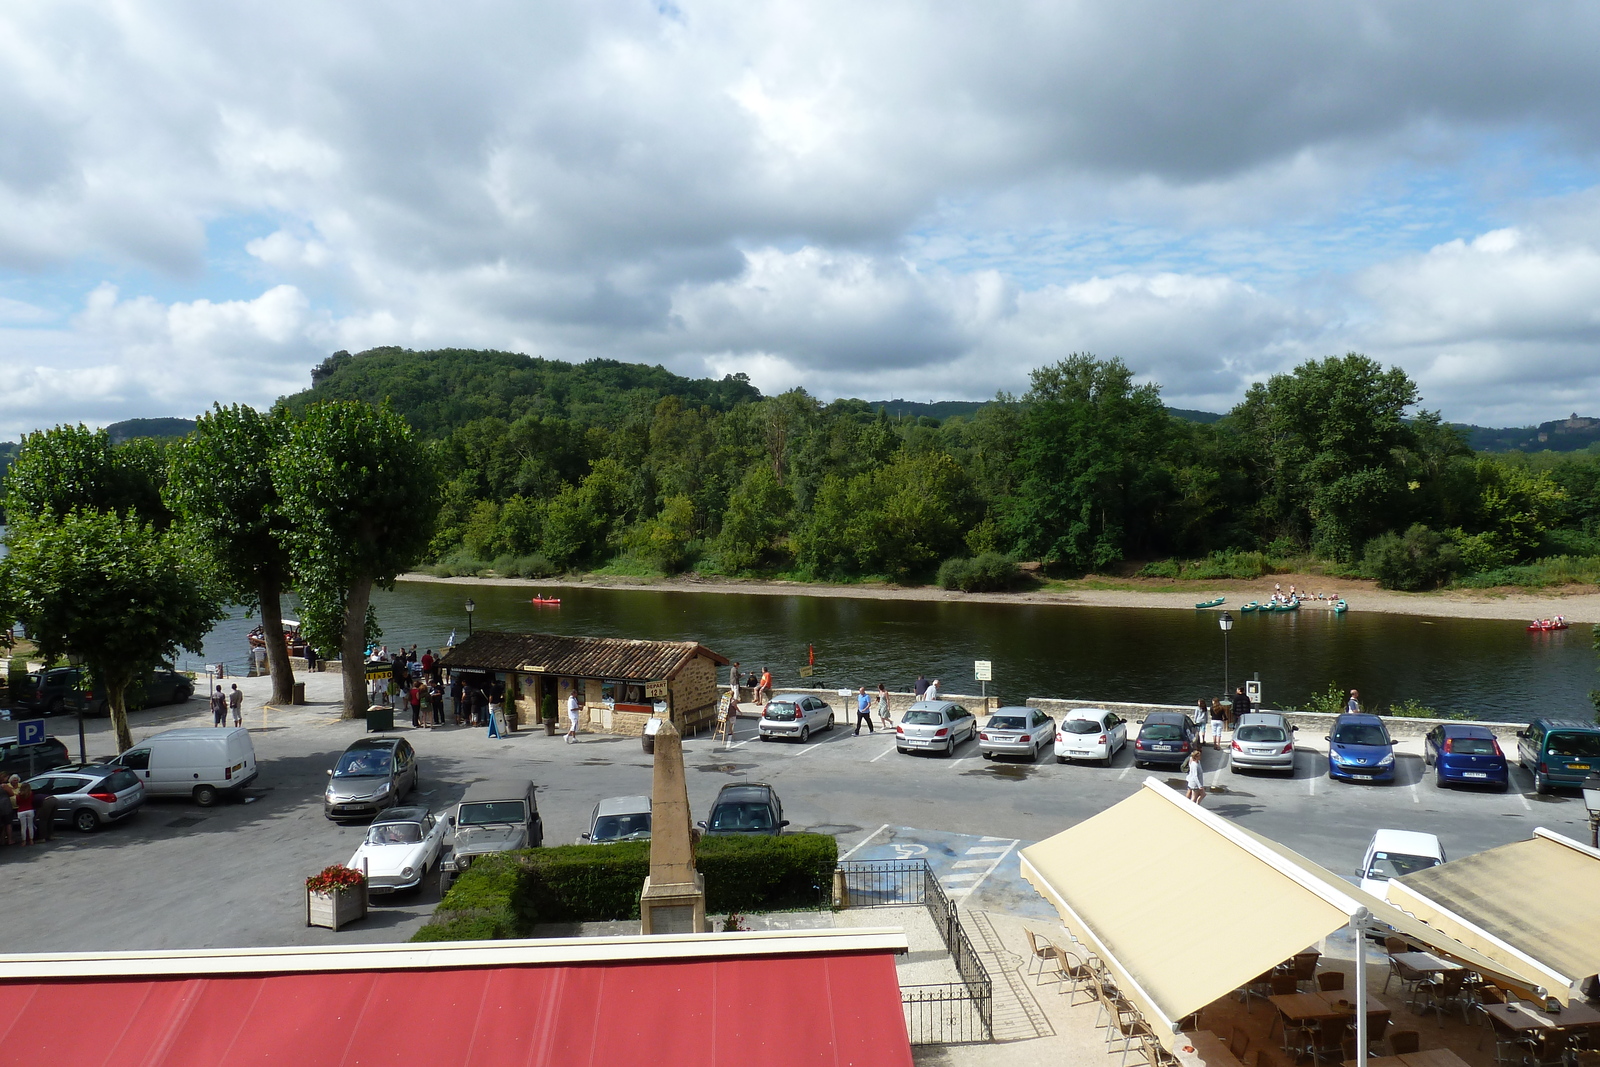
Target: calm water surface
[1493, 669]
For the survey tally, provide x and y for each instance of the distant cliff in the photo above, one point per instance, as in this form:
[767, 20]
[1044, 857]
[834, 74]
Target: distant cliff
[1563, 435]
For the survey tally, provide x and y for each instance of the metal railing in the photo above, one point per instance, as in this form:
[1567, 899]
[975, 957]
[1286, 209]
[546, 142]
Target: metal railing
[940, 1013]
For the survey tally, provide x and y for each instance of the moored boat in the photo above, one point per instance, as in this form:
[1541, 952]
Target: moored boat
[1212, 603]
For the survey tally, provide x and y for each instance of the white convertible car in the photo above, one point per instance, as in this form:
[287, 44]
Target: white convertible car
[402, 845]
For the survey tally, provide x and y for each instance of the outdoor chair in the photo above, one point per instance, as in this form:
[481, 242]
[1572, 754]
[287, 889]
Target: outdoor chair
[1483, 993]
[1139, 1039]
[1039, 954]
[1150, 1048]
[1395, 945]
[1330, 981]
[1284, 984]
[1328, 1039]
[1259, 987]
[1075, 972]
[1409, 977]
[1263, 1058]
[1445, 992]
[1239, 1042]
[1404, 1041]
[1122, 1021]
[1304, 967]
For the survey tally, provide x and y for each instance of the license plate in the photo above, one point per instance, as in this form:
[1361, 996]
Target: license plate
[1577, 766]
[1474, 774]
[1003, 739]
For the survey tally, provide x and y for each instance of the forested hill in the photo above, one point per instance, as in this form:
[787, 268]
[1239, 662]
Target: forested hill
[443, 390]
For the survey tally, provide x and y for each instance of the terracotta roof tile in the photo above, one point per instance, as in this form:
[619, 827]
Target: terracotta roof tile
[576, 657]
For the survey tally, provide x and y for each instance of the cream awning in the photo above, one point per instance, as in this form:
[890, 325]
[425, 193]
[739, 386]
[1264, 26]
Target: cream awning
[1138, 885]
[1529, 905]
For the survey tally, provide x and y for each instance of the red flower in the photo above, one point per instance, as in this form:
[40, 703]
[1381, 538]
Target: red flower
[334, 878]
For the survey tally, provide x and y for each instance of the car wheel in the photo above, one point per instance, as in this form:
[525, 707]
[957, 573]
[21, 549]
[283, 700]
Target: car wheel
[766, 737]
[205, 795]
[949, 748]
[1231, 768]
[805, 734]
[900, 750]
[988, 755]
[1540, 784]
[444, 883]
[830, 723]
[85, 821]
[54, 707]
[1061, 759]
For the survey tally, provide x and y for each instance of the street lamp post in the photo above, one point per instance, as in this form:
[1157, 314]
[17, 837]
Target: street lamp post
[1591, 800]
[1226, 622]
[471, 607]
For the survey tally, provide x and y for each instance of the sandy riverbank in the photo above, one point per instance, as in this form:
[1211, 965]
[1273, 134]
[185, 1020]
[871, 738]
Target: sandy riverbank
[1580, 605]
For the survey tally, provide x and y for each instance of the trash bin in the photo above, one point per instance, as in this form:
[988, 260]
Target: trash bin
[379, 718]
[299, 693]
[649, 736]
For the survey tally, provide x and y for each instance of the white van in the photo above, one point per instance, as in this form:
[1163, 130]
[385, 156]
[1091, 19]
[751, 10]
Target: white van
[196, 761]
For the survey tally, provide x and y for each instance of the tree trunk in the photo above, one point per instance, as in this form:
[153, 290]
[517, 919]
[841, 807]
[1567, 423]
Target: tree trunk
[116, 700]
[271, 597]
[353, 652]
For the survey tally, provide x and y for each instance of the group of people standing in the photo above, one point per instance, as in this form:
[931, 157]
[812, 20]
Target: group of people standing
[1211, 718]
[34, 814]
[222, 703]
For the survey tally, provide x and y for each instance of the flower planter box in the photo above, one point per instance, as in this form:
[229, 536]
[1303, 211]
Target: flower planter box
[341, 907]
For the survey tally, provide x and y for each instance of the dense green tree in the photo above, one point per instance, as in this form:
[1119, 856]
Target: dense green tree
[113, 589]
[899, 520]
[73, 467]
[1325, 443]
[359, 493]
[1090, 475]
[220, 485]
[757, 515]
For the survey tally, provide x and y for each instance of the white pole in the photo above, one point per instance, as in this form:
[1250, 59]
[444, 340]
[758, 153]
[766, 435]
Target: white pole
[1358, 930]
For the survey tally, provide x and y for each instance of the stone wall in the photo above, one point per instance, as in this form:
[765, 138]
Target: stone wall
[1313, 723]
[694, 695]
[846, 706]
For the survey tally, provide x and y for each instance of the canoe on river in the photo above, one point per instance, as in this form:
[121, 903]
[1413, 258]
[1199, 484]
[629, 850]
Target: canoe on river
[1212, 603]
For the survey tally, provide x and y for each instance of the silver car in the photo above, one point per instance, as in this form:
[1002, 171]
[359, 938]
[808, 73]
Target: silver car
[1016, 732]
[618, 819]
[794, 715]
[934, 726]
[1262, 741]
[90, 795]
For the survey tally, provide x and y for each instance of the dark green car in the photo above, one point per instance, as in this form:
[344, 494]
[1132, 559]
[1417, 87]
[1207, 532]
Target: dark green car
[62, 690]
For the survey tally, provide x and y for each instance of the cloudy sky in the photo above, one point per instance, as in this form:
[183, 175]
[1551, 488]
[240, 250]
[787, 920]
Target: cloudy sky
[200, 201]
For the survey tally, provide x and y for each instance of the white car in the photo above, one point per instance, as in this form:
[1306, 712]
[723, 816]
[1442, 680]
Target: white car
[402, 845]
[1396, 853]
[934, 726]
[794, 715]
[1090, 733]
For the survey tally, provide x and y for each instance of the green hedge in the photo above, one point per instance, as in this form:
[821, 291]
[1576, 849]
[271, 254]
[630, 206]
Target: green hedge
[505, 895]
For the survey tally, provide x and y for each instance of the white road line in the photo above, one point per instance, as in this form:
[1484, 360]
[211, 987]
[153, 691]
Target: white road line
[804, 749]
[880, 755]
[1415, 799]
[1125, 772]
[994, 839]
[973, 863]
[863, 841]
[1002, 850]
[962, 876]
[998, 860]
[1524, 798]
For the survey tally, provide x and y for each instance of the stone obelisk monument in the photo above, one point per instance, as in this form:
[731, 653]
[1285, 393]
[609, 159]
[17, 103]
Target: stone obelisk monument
[674, 896]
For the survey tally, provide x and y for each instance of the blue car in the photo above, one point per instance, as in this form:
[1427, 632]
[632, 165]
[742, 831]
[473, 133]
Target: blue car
[1466, 755]
[1360, 749]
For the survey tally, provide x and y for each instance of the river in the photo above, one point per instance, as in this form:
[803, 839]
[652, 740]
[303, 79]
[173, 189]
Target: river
[1491, 669]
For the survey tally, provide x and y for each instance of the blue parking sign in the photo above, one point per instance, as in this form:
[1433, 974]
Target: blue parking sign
[30, 731]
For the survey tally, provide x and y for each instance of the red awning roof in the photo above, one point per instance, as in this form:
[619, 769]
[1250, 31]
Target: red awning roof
[785, 1011]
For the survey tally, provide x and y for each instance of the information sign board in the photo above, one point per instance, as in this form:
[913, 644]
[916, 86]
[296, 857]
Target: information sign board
[982, 670]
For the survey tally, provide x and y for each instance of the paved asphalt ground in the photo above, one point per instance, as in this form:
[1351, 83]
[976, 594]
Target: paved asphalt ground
[177, 875]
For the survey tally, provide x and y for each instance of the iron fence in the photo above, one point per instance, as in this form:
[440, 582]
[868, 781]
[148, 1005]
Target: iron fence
[941, 1013]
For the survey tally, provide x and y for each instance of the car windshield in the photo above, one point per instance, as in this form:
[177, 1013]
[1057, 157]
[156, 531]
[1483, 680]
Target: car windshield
[490, 812]
[741, 817]
[1008, 722]
[363, 764]
[1161, 731]
[1259, 733]
[1359, 733]
[621, 827]
[783, 711]
[923, 718]
[1082, 726]
[394, 833]
[1579, 746]
[1397, 864]
[1472, 746]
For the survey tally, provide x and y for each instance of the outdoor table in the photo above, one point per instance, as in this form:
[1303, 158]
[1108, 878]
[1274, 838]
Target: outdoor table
[1426, 962]
[1209, 1050]
[1524, 1017]
[1321, 1007]
[1434, 1057]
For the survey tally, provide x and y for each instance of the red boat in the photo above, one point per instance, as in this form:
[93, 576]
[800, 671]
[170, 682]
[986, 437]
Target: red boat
[1546, 625]
[545, 600]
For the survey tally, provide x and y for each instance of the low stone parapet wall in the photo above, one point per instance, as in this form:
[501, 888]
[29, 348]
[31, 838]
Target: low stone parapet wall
[1400, 726]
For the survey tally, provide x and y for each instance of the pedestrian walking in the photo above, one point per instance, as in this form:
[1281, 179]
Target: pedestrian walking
[863, 712]
[494, 713]
[572, 716]
[733, 683]
[883, 707]
[219, 708]
[1219, 715]
[236, 705]
[1241, 703]
[764, 687]
[1200, 716]
[932, 692]
[919, 687]
[1196, 781]
[436, 700]
[414, 698]
[1353, 705]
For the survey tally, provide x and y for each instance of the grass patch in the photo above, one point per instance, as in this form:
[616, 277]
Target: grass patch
[1557, 570]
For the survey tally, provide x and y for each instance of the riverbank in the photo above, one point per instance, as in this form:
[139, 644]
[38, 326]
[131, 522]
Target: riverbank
[1581, 605]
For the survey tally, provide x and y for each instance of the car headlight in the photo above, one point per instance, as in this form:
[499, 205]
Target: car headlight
[1387, 760]
[1335, 755]
[328, 792]
[383, 790]
[408, 872]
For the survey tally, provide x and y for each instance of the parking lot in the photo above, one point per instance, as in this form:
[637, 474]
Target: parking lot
[179, 875]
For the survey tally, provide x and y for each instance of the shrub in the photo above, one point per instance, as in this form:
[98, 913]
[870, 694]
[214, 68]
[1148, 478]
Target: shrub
[745, 874]
[533, 565]
[1330, 702]
[586, 883]
[1162, 568]
[1412, 708]
[485, 903]
[1419, 559]
[988, 573]
[1225, 564]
